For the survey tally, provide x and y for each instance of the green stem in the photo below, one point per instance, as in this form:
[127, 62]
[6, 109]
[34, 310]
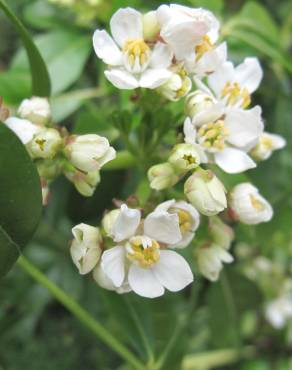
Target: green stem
[214, 359]
[123, 160]
[81, 314]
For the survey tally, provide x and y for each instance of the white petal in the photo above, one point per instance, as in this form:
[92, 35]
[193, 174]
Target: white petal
[211, 60]
[143, 282]
[102, 279]
[223, 254]
[209, 115]
[161, 56]
[152, 78]
[184, 242]
[219, 78]
[189, 131]
[234, 160]
[163, 227]
[106, 49]
[121, 79]
[165, 205]
[126, 24]
[249, 74]
[126, 223]
[278, 142]
[113, 264]
[23, 128]
[245, 126]
[172, 271]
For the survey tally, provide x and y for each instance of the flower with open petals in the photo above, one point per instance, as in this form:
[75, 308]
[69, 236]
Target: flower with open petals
[184, 28]
[140, 257]
[188, 216]
[248, 206]
[266, 145]
[132, 60]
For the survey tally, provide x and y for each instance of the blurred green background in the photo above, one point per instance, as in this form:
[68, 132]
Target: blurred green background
[36, 332]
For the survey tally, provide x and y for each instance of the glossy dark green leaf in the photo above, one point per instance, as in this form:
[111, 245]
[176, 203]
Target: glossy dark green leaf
[39, 74]
[20, 198]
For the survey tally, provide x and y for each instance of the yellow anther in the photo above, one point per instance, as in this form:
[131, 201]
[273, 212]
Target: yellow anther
[235, 94]
[136, 48]
[256, 203]
[184, 219]
[190, 159]
[202, 48]
[212, 135]
[41, 143]
[146, 257]
[267, 142]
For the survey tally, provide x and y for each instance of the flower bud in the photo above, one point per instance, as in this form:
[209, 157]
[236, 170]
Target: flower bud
[108, 220]
[151, 27]
[248, 206]
[86, 247]
[36, 110]
[23, 128]
[176, 87]
[210, 260]
[162, 176]
[185, 157]
[89, 152]
[206, 192]
[196, 102]
[85, 183]
[266, 145]
[221, 233]
[45, 144]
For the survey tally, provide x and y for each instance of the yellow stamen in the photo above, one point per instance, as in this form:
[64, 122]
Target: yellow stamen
[184, 218]
[213, 135]
[256, 203]
[235, 93]
[202, 48]
[41, 143]
[146, 257]
[136, 48]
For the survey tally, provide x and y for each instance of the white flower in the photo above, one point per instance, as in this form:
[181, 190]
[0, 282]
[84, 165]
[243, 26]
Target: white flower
[86, 247]
[188, 216]
[226, 135]
[85, 183]
[186, 157]
[248, 206]
[140, 257]
[210, 260]
[266, 145]
[23, 128]
[197, 102]
[151, 27]
[278, 311]
[162, 176]
[108, 221]
[36, 110]
[233, 86]
[106, 283]
[45, 144]
[206, 192]
[132, 61]
[89, 152]
[184, 28]
[221, 233]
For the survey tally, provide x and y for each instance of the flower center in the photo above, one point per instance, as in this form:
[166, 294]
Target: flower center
[190, 159]
[212, 135]
[184, 219]
[41, 143]
[137, 54]
[202, 48]
[145, 256]
[256, 203]
[235, 94]
[266, 142]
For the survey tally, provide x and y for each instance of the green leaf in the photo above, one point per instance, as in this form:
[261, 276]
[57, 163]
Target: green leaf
[20, 198]
[39, 74]
[65, 54]
[14, 86]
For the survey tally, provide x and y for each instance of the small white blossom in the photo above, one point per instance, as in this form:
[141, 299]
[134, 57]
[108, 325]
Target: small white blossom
[210, 260]
[248, 206]
[206, 192]
[45, 144]
[85, 183]
[86, 247]
[188, 216]
[221, 233]
[36, 110]
[89, 152]
[133, 61]
[178, 86]
[266, 145]
[278, 311]
[140, 258]
[186, 157]
[184, 28]
[23, 128]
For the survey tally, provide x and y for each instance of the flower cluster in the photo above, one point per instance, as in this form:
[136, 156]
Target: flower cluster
[129, 252]
[55, 151]
[171, 50]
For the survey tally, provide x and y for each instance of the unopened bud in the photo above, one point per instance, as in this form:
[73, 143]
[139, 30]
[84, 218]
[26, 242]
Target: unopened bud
[206, 192]
[162, 176]
[221, 233]
[36, 110]
[108, 221]
[85, 183]
[176, 87]
[197, 102]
